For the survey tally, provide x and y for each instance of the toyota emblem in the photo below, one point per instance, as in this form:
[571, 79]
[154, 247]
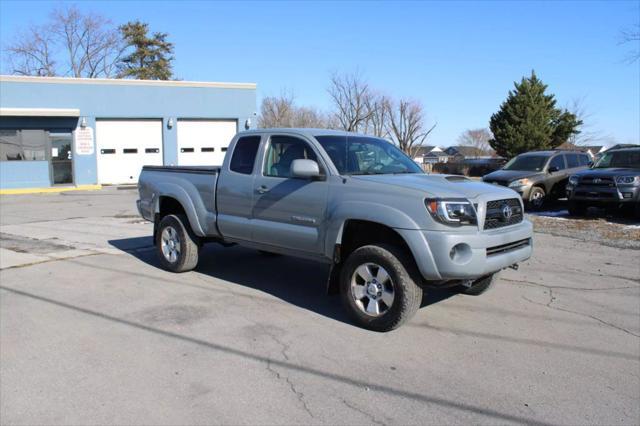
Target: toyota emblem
[597, 180]
[507, 212]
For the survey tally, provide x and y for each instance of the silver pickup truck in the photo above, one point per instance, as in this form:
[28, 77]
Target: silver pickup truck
[353, 201]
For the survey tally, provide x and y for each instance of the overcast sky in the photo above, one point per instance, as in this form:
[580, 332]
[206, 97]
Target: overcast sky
[459, 59]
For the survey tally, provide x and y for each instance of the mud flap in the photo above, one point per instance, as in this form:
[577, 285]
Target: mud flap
[333, 281]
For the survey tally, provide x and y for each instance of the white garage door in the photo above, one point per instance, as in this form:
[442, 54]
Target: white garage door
[124, 146]
[204, 142]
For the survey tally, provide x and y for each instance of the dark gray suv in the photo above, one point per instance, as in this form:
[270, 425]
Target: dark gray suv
[539, 175]
[613, 182]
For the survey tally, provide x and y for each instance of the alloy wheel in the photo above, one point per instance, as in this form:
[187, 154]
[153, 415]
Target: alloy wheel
[372, 289]
[170, 244]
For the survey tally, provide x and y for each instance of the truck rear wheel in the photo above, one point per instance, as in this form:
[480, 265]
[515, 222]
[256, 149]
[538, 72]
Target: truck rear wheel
[378, 287]
[177, 246]
[479, 286]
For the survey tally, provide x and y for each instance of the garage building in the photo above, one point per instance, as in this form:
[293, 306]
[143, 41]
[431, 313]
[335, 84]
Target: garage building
[77, 132]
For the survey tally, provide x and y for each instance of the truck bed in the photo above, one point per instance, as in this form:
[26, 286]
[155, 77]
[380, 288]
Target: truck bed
[184, 169]
[193, 187]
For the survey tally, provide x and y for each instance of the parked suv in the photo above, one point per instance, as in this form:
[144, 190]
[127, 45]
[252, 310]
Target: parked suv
[613, 182]
[539, 175]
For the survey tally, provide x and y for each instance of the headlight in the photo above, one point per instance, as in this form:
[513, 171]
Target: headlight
[453, 212]
[573, 180]
[627, 180]
[519, 182]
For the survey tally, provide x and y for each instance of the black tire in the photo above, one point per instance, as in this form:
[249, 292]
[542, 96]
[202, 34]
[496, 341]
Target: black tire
[186, 255]
[576, 208]
[637, 210]
[479, 286]
[403, 274]
[537, 198]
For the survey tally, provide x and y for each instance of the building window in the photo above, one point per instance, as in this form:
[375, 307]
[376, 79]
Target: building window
[23, 145]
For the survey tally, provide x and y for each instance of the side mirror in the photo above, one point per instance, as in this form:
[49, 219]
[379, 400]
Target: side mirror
[305, 169]
[590, 164]
[553, 169]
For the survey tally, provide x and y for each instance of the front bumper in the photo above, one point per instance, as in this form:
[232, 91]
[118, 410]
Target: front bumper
[604, 194]
[482, 252]
[523, 191]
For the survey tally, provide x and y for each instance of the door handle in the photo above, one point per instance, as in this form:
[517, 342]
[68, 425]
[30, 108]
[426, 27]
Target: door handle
[262, 189]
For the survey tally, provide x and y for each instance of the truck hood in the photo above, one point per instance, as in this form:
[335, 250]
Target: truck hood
[613, 171]
[509, 175]
[441, 186]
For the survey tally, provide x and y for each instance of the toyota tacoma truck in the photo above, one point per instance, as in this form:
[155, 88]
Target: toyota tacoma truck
[356, 202]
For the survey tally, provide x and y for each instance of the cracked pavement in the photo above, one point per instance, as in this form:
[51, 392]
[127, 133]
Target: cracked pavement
[93, 332]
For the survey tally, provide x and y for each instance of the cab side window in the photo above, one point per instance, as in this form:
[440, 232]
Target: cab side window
[281, 152]
[572, 160]
[557, 162]
[244, 154]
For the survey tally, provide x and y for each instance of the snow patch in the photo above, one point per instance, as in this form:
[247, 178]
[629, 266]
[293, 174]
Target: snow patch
[559, 214]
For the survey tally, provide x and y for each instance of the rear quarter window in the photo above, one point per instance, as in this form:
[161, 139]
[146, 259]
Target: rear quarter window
[244, 155]
[572, 160]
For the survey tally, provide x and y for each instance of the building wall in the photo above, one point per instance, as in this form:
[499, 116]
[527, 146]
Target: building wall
[115, 99]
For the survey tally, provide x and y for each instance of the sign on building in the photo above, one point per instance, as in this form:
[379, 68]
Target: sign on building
[84, 141]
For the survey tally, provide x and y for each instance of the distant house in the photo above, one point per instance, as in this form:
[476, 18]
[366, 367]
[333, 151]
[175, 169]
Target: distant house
[461, 153]
[592, 150]
[430, 154]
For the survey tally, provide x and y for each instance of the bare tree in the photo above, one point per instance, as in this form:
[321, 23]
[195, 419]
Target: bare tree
[378, 122]
[277, 111]
[632, 36]
[406, 125]
[308, 117]
[32, 54]
[71, 44]
[281, 111]
[588, 135]
[351, 97]
[476, 138]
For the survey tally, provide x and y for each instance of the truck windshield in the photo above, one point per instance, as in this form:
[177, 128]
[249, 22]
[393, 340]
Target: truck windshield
[360, 155]
[527, 163]
[620, 159]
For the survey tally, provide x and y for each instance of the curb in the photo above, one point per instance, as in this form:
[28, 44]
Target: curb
[18, 191]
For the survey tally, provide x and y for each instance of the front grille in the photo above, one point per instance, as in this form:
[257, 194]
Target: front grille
[596, 194]
[498, 182]
[504, 248]
[597, 181]
[495, 217]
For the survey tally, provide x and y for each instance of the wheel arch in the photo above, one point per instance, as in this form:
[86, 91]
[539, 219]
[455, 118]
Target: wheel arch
[172, 199]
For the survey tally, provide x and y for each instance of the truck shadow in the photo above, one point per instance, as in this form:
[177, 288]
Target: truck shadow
[295, 281]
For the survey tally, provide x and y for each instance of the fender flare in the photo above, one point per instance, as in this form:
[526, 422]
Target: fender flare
[172, 190]
[362, 210]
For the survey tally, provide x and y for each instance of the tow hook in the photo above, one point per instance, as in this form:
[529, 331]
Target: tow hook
[514, 266]
[467, 283]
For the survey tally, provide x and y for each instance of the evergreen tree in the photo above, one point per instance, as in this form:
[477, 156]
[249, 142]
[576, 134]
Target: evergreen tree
[528, 120]
[151, 56]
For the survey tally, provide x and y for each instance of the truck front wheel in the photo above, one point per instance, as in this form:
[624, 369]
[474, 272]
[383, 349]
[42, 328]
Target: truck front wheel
[378, 287]
[177, 246]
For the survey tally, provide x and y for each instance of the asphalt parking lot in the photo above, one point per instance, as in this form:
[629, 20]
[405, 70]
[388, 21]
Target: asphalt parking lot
[93, 332]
